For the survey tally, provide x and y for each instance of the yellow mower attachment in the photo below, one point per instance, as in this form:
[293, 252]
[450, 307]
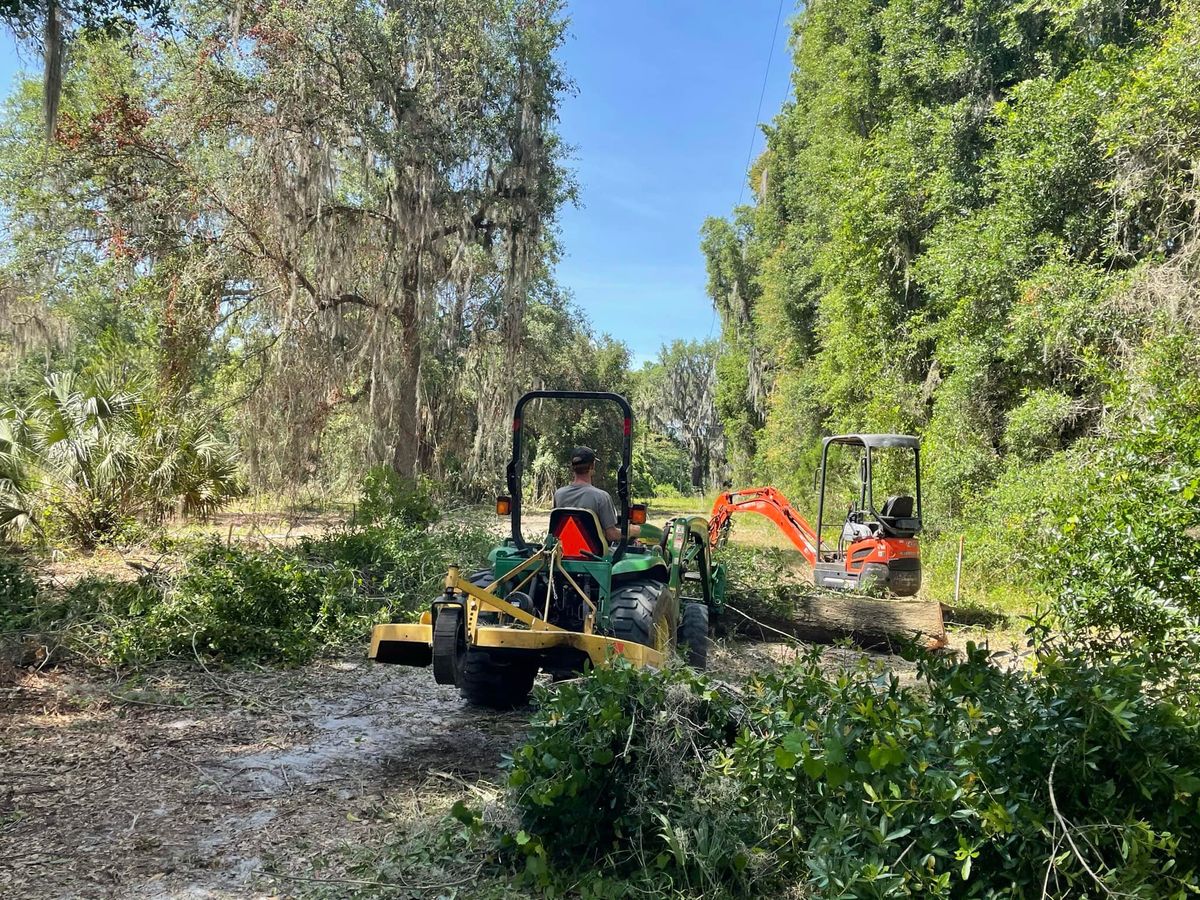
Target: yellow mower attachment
[509, 628]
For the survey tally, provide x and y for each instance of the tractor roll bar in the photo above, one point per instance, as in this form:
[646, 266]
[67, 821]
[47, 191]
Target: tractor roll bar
[514, 464]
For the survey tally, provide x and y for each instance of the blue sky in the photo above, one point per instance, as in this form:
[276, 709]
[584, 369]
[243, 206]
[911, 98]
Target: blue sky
[661, 125]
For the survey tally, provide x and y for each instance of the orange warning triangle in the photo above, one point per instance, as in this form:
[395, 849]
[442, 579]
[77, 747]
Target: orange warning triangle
[573, 541]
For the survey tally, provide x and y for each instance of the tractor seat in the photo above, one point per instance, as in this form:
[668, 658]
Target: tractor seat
[578, 531]
[898, 516]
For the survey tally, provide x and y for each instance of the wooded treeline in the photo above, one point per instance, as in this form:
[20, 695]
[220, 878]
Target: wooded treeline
[978, 222]
[321, 234]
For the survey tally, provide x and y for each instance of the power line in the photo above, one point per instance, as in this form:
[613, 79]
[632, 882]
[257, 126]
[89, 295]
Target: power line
[754, 133]
[761, 95]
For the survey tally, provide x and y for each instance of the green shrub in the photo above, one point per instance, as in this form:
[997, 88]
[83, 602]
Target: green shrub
[88, 457]
[1035, 428]
[240, 603]
[763, 581]
[603, 756]
[661, 468]
[288, 604]
[405, 562]
[1126, 555]
[974, 782]
[17, 591]
[385, 494]
[281, 605]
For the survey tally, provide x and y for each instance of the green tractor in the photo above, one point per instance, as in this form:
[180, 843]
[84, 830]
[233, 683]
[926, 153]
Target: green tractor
[569, 600]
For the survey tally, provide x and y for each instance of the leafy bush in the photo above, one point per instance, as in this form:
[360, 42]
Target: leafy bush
[17, 589]
[15, 487]
[1130, 541]
[1078, 780]
[230, 603]
[234, 602]
[1035, 428]
[403, 561]
[385, 494]
[661, 468]
[604, 756]
[763, 581]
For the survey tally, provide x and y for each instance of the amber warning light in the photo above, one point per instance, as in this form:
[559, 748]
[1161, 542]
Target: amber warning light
[637, 514]
[503, 506]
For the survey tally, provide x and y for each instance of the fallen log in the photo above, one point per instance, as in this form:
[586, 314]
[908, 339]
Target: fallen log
[874, 623]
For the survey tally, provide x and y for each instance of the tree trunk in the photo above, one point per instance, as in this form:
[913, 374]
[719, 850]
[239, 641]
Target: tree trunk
[406, 440]
[52, 41]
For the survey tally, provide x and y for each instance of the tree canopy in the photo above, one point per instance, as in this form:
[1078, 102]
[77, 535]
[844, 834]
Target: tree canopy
[976, 222]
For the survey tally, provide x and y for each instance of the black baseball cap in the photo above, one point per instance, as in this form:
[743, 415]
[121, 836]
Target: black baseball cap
[583, 456]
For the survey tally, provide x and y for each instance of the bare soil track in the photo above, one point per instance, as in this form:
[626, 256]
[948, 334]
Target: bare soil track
[197, 784]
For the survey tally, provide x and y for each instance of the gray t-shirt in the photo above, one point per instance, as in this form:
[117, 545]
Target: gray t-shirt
[587, 496]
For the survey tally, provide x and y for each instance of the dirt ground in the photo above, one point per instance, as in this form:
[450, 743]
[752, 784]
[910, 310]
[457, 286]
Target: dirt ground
[197, 784]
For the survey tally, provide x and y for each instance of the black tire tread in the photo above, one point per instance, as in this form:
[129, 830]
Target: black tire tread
[447, 635]
[485, 680]
[634, 607]
[693, 635]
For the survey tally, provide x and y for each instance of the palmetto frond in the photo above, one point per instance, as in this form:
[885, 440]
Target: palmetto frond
[103, 456]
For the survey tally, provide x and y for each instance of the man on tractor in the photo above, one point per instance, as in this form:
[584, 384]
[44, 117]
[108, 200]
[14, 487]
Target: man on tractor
[582, 494]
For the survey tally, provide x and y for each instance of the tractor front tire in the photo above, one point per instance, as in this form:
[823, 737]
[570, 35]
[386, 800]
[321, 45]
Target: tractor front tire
[692, 638]
[634, 610]
[487, 679]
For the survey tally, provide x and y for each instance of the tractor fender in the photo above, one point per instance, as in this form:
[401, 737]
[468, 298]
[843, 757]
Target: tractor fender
[640, 565]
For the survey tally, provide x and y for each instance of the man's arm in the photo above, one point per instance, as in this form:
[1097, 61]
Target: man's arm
[614, 534]
[608, 521]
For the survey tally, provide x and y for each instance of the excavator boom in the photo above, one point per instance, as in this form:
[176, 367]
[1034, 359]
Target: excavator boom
[766, 501]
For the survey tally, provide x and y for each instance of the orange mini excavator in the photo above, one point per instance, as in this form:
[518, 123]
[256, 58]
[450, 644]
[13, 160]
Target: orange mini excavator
[876, 546]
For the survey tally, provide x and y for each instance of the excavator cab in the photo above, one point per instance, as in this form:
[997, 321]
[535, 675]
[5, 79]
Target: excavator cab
[876, 544]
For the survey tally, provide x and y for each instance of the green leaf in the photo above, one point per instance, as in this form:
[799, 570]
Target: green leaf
[785, 759]
[796, 741]
[463, 813]
[814, 767]
[837, 775]
[880, 757]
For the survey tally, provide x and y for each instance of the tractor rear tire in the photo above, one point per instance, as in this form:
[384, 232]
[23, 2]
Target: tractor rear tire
[692, 638]
[634, 609]
[487, 679]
